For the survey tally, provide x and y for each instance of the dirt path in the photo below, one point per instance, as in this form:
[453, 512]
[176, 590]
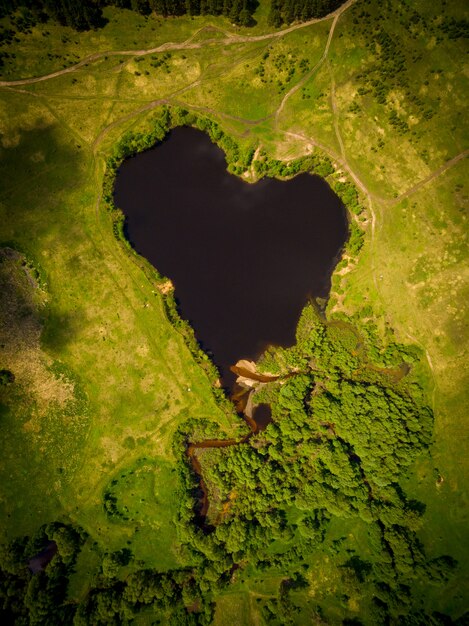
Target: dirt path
[387, 203]
[440, 170]
[335, 116]
[188, 44]
[171, 100]
[308, 75]
[336, 157]
[357, 181]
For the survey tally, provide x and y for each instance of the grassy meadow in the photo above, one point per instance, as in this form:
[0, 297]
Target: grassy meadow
[102, 378]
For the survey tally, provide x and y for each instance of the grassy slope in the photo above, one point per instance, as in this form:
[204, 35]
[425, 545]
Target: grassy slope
[103, 318]
[106, 325]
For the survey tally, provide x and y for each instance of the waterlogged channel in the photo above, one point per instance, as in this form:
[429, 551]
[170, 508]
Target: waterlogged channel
[244, 258]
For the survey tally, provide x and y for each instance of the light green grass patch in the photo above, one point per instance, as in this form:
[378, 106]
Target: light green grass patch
[235, 608]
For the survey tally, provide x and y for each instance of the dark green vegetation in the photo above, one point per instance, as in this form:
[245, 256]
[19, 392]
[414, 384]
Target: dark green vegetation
[78, 15]
[86, 14]
[287, 11]
[41, 598]
[352, 506]
[83, 15]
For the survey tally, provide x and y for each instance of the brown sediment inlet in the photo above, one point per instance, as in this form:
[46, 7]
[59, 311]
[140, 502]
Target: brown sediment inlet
[248, 374]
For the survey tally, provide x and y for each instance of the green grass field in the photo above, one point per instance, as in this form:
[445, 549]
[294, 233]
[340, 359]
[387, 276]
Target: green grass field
[103, 380]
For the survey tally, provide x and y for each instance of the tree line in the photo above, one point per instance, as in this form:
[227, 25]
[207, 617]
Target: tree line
[288, 11]
[74, 13]
[87, 14]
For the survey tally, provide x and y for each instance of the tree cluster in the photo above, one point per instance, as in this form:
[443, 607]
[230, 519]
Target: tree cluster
[174, 597]
[86, 14]
[392, 67]
[39, 598]
[78, 14]
[238, 11]
[314, 163]
[279, 69]
[287, 11]
[6, 377]
[343, 434]
[455, 29]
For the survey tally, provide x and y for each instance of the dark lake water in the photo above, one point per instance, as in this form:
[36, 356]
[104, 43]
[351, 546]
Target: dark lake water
[244, 258]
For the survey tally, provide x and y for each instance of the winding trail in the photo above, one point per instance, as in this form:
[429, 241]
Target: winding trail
[360, 184]
[171, 100]
[335, 115]
[308, 75]
[188, 44]
[357, 181]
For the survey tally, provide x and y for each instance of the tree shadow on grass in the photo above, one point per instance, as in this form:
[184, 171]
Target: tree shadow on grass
[36, 162]
[59, 329]
[39, 166]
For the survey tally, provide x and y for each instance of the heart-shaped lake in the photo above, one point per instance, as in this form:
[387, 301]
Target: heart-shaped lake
[244, 258]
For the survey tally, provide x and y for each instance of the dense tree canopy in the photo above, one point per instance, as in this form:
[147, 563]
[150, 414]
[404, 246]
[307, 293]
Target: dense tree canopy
[78, 15]
[344, 431]
[86, 14]
[287, 11]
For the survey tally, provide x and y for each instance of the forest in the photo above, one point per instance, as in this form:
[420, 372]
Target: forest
[288, 11]
[83, 15]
